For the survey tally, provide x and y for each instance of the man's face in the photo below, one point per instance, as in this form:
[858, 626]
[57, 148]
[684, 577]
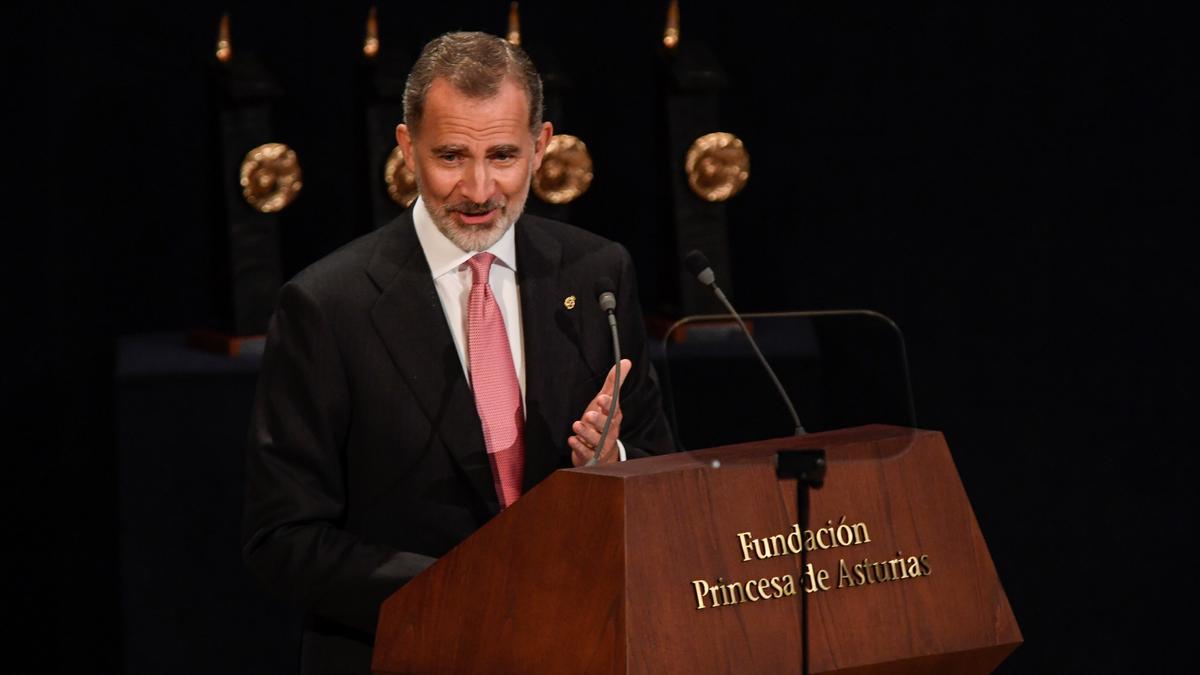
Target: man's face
[474, 160]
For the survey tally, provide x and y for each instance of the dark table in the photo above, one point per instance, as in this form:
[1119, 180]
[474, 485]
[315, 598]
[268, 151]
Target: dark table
[188, 604]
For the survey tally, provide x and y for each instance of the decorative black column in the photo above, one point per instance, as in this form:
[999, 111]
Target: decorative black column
[390, 186]
[566, 171]
[704, 166]
[256, 178]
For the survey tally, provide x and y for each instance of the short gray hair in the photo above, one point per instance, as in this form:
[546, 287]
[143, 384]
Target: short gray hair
[476, 64]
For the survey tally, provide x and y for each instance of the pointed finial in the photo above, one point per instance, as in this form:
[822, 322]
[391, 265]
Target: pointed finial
[671, 34]
[514, 25]
[224, 46]
[371, 42]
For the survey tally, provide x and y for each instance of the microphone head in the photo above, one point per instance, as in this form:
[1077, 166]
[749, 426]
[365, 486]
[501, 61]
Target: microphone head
[605, 294]
[697, 264]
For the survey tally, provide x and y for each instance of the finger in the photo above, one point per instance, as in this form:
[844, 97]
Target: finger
[598, 419]
[626, 364]
[583, 444]
[580, 454]
[587, 432]
[604, 406]
[595, 419]
[602, 403]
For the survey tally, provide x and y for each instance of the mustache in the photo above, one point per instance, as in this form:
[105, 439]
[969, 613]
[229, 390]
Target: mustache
[474, 208]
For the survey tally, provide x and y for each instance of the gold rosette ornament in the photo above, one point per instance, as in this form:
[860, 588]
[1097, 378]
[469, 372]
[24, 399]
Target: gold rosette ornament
[566, 170]
[270, 177]
[717, 166]
[401, 183]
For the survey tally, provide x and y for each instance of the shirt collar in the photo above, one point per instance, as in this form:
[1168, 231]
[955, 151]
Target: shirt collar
[444, 256]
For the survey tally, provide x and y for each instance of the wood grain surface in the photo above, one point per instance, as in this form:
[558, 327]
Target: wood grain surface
[594, 571]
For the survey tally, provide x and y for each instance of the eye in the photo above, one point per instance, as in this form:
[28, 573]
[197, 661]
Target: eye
[504, 155]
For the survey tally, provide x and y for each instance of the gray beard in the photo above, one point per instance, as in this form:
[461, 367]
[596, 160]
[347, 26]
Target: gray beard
[475, 239]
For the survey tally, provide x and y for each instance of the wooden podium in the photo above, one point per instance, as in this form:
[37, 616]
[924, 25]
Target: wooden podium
[682, 564]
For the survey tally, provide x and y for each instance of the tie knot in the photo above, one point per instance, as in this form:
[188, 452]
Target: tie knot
[481, 266]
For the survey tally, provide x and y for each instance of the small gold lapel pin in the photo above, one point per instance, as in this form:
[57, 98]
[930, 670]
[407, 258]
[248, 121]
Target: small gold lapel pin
[569, 302]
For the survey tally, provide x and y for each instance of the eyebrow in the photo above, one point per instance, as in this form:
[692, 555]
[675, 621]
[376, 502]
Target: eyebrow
[454, 148]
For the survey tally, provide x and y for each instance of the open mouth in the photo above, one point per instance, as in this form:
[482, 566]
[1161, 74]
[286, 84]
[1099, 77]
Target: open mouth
[481, 218]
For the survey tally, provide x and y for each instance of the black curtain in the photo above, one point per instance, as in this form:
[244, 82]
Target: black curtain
[1013, 186]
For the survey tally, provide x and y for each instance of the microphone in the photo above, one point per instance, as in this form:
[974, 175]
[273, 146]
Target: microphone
[807, 466]
[604, 289]
[697, 264]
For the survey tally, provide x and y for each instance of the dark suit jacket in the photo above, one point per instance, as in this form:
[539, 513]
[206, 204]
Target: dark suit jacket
[366, 458]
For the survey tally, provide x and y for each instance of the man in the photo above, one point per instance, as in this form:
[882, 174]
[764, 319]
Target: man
[419, 379]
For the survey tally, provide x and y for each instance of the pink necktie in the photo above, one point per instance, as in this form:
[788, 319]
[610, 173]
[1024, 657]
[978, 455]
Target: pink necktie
[494, 379]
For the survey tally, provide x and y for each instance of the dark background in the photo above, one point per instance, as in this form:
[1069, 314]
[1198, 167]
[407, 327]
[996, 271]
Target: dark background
[1013, 186]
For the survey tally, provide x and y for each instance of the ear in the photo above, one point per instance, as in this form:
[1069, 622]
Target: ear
[404, 140]
[540, 142]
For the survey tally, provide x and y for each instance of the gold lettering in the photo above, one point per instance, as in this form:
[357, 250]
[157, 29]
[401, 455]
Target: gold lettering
[763, 551]
[844, 578]
[736, 593]
[701, 587]
[925, 568]
[789, 585]
[823, 579]
[743, 539]
[882, 576]
[778, 545]
[806, 579]
[914, 567]
[866, 563]
[795, 547]
[820, 542]
[813, 579]
[779, 592]
[712, 592]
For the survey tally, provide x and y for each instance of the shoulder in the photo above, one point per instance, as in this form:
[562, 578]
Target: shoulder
[576, 243]
[357, 268]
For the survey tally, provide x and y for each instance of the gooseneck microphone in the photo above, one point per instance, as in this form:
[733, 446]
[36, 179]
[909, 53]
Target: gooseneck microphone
[605, 295]
[806, 466]
[697, 264]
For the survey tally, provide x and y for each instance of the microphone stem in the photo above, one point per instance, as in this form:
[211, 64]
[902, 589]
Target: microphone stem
[783, 394]
[612, 409]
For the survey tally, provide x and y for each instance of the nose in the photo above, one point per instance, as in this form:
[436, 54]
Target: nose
[477, 182]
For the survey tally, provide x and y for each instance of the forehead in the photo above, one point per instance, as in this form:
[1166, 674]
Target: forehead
[452, 117]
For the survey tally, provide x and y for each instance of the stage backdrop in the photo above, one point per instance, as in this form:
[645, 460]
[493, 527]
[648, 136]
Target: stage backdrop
[1007, 184]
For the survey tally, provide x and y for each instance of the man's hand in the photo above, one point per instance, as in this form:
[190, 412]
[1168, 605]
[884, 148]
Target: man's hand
[589, 425]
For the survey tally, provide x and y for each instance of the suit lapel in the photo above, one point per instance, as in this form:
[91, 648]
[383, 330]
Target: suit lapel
[409, 319]
[551, 333]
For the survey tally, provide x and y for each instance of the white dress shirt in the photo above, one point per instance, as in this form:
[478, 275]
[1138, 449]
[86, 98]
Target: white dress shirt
[452, 278]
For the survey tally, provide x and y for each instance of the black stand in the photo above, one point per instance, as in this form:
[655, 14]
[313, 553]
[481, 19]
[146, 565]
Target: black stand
[381, 99]
[808, 468]
[689, 107]
[556, 89]
[247, 262]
